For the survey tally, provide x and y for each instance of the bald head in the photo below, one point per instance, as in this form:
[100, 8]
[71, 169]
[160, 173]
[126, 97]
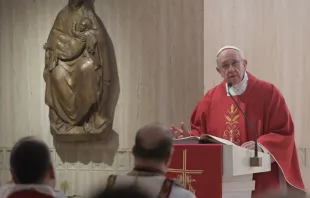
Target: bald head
[153, 142]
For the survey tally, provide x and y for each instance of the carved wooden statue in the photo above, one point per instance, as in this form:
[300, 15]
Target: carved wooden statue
[77, 73]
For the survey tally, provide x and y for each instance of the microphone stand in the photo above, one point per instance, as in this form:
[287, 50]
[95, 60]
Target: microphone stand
[254, 161]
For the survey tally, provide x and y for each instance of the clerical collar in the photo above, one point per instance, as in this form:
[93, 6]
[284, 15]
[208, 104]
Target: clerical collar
[239, 88]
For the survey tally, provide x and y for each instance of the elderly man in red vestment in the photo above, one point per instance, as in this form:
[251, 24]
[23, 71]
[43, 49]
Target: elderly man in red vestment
[216, 114]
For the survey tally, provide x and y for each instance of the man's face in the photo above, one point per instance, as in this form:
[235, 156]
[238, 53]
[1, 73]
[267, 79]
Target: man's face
[231, 66]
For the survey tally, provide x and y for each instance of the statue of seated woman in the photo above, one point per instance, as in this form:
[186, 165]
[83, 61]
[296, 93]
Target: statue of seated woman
[75, 74]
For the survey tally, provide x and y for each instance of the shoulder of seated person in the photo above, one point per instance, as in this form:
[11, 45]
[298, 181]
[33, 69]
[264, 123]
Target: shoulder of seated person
[180, 192]
[59, 194]
[177, 183]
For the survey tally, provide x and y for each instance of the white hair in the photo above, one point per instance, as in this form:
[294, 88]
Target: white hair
[230, 47]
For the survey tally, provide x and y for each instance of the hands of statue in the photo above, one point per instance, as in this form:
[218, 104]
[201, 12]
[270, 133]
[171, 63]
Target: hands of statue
[179, 133]
[251, 145]
[81, 37]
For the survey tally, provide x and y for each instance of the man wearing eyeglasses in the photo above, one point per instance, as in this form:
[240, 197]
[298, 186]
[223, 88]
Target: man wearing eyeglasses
[216, 114]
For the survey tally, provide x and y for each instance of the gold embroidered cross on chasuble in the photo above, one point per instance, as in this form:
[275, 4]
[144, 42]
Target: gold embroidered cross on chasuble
[232, 132]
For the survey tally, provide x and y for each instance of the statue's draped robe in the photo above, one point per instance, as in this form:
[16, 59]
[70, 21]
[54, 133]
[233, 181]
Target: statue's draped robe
[75, 85]
[216, 114]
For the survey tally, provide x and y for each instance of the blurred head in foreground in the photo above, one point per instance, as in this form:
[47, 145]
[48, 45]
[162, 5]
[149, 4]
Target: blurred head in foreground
[30, 162]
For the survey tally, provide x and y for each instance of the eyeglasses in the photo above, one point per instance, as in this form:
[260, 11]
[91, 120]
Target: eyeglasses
[234, 64]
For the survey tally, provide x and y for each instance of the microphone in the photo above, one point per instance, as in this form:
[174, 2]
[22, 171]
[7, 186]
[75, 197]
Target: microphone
[254, 161]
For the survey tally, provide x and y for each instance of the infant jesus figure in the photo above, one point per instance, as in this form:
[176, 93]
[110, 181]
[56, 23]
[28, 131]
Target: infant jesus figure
[68, 48]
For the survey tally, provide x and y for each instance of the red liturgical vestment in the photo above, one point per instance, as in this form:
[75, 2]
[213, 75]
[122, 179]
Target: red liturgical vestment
[216, 114]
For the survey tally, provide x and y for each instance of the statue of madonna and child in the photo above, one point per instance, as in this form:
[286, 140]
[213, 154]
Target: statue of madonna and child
[77, 73]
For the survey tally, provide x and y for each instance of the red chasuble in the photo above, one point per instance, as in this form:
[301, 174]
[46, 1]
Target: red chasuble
[216, 114]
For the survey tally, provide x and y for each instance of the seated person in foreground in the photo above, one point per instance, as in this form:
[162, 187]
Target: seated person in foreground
[152, 154]
[32, 170]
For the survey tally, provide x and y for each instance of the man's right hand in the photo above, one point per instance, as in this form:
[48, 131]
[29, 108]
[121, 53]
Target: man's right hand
[179, 132]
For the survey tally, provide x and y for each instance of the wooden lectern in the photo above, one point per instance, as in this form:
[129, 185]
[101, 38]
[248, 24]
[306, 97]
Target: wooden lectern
[216, 170]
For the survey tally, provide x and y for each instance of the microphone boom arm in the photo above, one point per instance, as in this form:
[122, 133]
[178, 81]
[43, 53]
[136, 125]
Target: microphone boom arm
[254, 161]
